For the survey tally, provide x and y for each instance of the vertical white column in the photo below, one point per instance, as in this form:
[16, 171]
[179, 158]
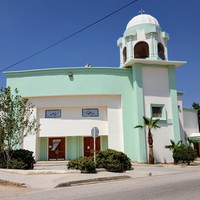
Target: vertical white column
[121, 54]
[155, 45]
[151, 46]
[115, 130]
[129, 47]
[166, 51]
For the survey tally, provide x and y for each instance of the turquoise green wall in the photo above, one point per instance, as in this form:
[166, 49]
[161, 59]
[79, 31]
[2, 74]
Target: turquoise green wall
[43, 149]
[74, 147]
[95, 81]
[104, 142]
[174, 103]
[139, 138]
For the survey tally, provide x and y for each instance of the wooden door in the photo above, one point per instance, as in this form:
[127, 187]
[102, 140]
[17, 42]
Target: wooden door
[89, 146]
[196, 147]
[56, 148]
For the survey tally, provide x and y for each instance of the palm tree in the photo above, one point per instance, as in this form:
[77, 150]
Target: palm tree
[150, 124]
[173, 145]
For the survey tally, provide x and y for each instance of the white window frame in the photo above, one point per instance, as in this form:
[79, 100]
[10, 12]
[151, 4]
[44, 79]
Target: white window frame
[163, 111]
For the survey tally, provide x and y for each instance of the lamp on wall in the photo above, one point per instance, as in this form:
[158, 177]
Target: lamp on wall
[70, 74]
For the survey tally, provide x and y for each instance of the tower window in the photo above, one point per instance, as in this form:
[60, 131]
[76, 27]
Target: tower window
[124, 55]
[141, 50]
[161, 52]
[156, 111]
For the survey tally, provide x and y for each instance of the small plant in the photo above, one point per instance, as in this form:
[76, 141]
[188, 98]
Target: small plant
[182, 153]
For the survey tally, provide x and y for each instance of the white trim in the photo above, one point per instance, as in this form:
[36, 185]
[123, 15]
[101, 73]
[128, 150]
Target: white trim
[154, 62]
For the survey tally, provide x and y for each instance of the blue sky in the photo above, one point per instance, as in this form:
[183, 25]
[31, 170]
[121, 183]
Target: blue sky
[27, 26]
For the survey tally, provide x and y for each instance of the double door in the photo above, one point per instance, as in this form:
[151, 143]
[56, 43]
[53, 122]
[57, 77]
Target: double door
[56, 148]
[89, 146]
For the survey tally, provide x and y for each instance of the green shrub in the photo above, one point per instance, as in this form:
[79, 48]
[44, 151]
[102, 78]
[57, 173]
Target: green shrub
[184, 154]
[25, 156]
[16, 164]
[3, 163]
[74, 164]
[113, 161]
[85, 164]
[20, 159]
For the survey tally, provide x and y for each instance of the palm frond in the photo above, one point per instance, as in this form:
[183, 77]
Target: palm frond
[179, 142]
[172, 142]
[156, 120]
[156, 126]
[146, 120]
[138, 126]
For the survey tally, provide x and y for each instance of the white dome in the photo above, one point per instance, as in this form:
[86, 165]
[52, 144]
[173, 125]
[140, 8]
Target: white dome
[142, 19]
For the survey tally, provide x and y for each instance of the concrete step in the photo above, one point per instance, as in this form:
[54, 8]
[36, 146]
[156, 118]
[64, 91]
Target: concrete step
[51, 163]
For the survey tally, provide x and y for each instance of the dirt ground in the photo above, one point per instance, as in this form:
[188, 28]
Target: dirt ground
[13, 191]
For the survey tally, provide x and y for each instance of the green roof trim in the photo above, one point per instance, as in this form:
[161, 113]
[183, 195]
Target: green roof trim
[195, 138]
[59, 71]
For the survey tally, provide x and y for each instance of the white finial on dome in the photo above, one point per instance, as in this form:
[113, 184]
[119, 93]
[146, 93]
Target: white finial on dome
[141, 11]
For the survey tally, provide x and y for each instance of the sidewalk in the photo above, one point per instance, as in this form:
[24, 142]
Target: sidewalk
[50, 176]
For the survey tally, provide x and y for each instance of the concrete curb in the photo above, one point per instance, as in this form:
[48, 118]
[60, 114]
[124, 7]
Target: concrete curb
[10, 183]
[92, 181]
[37, 172]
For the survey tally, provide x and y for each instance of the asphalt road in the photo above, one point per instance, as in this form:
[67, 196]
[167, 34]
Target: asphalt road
[174, 186]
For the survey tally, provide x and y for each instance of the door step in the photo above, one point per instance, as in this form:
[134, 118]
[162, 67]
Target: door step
[51, 163]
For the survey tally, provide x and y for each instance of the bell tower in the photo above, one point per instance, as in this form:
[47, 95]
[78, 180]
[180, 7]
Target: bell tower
[143, 48]
[143, 39]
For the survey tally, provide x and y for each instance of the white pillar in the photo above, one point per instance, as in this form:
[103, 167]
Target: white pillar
[155, 45]
[151, 48]
[121, 54]
[129, 47]
[166, 51]
[115, 132]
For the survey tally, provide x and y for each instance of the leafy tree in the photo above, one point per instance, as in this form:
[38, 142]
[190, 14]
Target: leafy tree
[196, 106]
[16, 120]
[150, 124]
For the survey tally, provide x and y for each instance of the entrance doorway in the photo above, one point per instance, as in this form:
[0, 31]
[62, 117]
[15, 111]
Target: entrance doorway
[89, 146]
[56, 148]
[196, 147]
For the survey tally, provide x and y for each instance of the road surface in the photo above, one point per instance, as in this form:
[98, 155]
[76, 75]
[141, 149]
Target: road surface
[174, 186]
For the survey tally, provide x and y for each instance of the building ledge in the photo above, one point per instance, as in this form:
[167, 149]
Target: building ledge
[131, 62]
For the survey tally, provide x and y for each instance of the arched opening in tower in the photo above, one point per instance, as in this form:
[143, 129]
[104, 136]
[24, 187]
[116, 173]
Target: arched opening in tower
[141, 50]
[124, 55]
[161, 52]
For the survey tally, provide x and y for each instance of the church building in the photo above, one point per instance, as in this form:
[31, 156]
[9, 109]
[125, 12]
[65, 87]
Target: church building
[70, 102]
